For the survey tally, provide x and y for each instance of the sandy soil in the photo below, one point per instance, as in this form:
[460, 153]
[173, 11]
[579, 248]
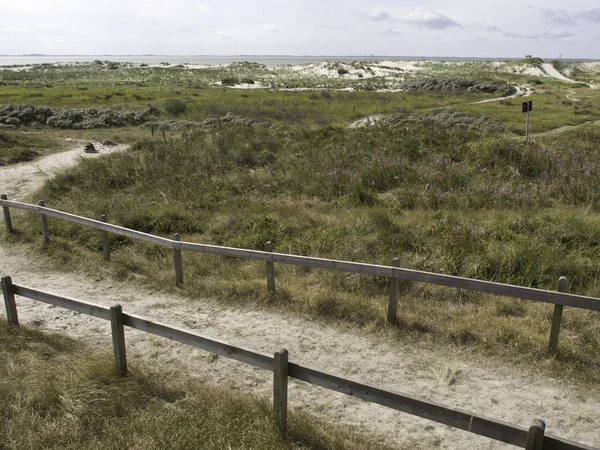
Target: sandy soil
[481, 386]
[551, 71]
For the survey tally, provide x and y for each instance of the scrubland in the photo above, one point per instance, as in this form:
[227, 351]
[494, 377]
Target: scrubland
[444, 183]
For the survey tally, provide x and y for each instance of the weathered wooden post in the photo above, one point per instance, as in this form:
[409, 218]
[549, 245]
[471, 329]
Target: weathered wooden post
[563, 286]
[104, 237]
[9, 302]
[393, 300]
[164, 134]
[44, 219]
[118, 338]
[280, 389]
[535, 437]
[177, 262]
[6, 211]
[152, 130]
[270, 268]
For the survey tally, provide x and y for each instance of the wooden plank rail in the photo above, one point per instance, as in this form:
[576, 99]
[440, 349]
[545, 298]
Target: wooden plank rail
[508, 290]
[282, 368]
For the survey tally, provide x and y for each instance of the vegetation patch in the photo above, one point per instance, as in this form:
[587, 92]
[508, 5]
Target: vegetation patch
[446, 118]
[57, 394]
[449, 84]
[79, 119]
[18, 147]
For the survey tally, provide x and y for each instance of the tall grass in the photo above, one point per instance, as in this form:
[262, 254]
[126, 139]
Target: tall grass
[18, 147]
[442, 199]
[57, 394]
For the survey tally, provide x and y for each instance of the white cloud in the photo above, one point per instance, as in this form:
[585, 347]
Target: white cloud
[558, 16]
[559, 35]
[427, 19]
[522, 36]
[593, 15]
[378, 15]
[224, 34]
[204, 8]
[272, 28]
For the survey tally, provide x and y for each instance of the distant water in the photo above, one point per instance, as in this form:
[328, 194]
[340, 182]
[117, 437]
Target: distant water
[214, 60]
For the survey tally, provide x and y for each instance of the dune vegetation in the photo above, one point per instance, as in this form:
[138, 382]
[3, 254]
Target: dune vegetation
[57, 394]
[443, 183]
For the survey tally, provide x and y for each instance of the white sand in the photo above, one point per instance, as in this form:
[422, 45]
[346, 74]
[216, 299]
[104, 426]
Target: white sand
[499, 391]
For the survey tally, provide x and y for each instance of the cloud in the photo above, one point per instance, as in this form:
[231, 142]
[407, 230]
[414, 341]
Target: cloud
[272, 28]
[556, 35]
[425, 18]
[378, 15]
[483, 27]
[224, 34]
[390, 32]
[593, 15]
[558, 16]
[559, 35]
[521, 36]
[204, 8]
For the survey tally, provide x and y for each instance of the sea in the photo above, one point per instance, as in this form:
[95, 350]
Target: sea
[13, 60]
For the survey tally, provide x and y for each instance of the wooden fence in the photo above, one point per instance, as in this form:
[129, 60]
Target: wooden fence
[392, 272]
[533, 438]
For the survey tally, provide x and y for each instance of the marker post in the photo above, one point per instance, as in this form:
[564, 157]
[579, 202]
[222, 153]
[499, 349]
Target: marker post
[526, 107]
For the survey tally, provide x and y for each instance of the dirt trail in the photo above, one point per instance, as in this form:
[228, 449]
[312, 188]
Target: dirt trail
[498, 391]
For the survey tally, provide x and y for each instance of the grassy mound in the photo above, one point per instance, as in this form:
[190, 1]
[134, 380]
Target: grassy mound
[56, 394]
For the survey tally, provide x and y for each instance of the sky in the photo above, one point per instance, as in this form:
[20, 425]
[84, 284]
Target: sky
[461, 28]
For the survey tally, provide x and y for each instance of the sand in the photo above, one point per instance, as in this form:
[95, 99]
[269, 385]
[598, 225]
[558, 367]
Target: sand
[481, 386]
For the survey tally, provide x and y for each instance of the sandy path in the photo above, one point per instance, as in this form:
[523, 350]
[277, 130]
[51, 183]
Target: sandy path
[501, 392]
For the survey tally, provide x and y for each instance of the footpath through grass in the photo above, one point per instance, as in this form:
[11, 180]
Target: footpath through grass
[442, 199]
[57, 394]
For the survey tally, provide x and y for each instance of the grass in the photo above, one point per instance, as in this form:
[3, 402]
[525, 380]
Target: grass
[57, 394]
[441, 197]
[443, 200]
[18, 146]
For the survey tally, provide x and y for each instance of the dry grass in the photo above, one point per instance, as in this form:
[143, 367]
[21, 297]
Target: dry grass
[56, 394]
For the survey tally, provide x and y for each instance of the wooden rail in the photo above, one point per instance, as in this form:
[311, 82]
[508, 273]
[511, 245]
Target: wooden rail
[531, 439]
[392, 272]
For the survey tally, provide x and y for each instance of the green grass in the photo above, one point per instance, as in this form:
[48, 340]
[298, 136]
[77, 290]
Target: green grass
[441, 197]
[57, 394]
[443, 200]
[18, 146]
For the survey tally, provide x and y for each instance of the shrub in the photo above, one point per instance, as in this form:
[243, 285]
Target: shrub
[174, 106]
[342, 72]
[229, 81]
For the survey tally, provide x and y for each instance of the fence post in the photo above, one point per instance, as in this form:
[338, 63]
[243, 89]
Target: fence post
[6, 211]
[152, 130]
[104, 237]
[9, 302]
[535, 437]
[270, 268]
[44, 218]
[118, 338]
[563, 286]
[393, 301]
[280, 389]
[177, 262]
[164, 135]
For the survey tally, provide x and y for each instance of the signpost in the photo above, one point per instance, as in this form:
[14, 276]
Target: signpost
[526, 107]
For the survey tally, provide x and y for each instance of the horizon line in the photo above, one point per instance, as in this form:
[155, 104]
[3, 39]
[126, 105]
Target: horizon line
[275, 56]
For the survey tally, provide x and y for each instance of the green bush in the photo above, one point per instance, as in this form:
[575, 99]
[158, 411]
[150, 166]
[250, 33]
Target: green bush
[174, 106]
